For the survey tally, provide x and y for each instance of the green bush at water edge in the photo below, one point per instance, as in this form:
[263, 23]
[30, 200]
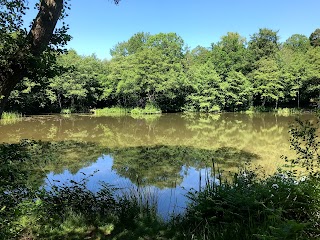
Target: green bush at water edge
[149, 109]
[67, 111]
[111, 111]
[11, 115]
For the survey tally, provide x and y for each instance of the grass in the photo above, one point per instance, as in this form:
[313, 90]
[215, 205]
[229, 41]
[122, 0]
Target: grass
[119, 111]
[11, 115]
[73, 212]
[278, 207]
[10, 118]
[287, 111]
[279, 111]
[149, 109]
[111, 111]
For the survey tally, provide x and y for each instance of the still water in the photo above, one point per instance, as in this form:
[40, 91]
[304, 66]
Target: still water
[164, 155]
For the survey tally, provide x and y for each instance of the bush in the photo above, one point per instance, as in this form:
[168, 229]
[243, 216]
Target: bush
[287, 111]
[149, 109]
[113, 111]
[11, 115]
[66, 111]
[257, 109]
[278, 207]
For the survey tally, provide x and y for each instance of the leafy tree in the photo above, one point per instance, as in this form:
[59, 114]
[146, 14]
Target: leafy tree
[79, 85]
[151, 72]
[293, 71]
[24, 54]
[171, 44]
[313, 73]
[208, 91]
[263, 44]
[198, 55]
[297, 42]
[27, 54]
[135, 44]
[120, 88]
[315, 38]
[238, 91]
[230, 54]
[30, 97]
[266, 81]
[149, 76]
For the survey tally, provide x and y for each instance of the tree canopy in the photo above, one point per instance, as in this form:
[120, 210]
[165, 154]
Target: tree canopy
[38, 75]
[29, 52]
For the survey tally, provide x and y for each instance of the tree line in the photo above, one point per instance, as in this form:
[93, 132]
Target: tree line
[233, 74]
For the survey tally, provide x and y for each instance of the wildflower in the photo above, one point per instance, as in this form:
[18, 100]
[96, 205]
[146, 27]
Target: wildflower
[275, 186]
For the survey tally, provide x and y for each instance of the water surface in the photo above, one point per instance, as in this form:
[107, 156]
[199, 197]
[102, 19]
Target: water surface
[164, 155]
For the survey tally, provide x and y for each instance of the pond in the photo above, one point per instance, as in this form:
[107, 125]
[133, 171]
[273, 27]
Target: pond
[162, 155]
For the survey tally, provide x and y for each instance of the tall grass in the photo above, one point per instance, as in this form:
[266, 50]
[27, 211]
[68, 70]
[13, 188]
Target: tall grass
[10, 118]
[111, 111]
[278, 207]
[279, 111]
[118, 111]
[74, 212]
[11, 115]
[287, 111]
[149, 109]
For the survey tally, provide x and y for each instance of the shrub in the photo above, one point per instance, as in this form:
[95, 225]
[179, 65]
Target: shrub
[66, 111]
[149, 109]
[11, 115]
[113, 111]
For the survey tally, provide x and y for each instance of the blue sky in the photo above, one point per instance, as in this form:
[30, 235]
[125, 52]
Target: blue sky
[98, 25]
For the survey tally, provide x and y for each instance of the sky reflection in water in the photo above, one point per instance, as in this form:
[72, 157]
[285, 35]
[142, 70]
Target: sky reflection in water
[169, 199]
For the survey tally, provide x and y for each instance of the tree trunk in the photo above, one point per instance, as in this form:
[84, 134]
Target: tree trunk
[37, 40]
[59, 101]
[263, 101]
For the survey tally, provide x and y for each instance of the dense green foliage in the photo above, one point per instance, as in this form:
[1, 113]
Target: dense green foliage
[159, 70]
[29, 52]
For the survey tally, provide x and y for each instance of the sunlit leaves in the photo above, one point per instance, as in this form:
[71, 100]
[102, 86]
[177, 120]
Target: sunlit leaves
[266, 81]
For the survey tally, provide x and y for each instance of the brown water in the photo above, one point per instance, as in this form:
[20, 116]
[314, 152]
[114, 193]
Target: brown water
[165, 153]
[265, 135]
